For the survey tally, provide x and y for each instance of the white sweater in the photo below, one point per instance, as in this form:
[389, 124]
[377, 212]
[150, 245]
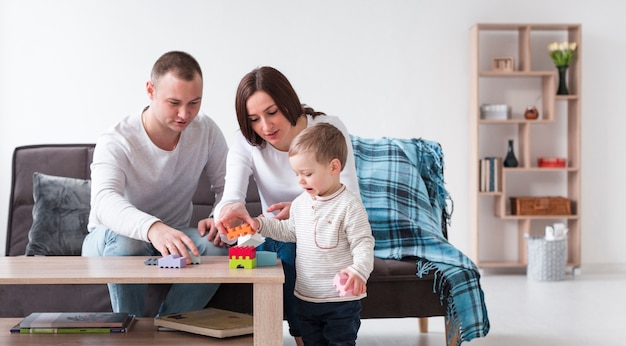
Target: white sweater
[331, 233]
[134, 183]
[272, 173]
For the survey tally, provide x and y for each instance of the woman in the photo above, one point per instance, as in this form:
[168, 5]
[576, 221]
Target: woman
[270, 116]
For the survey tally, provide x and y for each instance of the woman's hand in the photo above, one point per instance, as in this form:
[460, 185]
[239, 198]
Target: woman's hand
[283, 210]
[231, 215]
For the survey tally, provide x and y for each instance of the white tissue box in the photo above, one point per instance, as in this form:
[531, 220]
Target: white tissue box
[495, 112]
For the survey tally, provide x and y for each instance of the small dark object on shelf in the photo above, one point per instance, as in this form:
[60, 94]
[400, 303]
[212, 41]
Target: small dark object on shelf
[510, 160]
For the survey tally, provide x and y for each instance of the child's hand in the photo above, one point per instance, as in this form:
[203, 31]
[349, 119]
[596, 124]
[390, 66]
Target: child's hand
[255, 224]
[358, 286]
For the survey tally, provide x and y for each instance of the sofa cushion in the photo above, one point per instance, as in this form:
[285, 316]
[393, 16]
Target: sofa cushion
[60, 215]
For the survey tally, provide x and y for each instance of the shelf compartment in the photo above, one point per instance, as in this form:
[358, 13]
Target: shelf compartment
[520, 92]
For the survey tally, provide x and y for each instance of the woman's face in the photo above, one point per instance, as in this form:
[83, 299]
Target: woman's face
[269, 122]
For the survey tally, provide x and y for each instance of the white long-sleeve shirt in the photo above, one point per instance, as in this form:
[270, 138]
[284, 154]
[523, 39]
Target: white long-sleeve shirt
[276, 181]
[331, 233]
[134, 183]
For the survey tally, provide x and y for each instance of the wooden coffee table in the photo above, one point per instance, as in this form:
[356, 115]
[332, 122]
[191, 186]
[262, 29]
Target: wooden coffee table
[267, 291]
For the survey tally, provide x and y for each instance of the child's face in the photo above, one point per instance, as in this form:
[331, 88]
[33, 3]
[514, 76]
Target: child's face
[318, 179]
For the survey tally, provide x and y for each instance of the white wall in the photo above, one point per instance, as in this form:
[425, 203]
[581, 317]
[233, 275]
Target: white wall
[70, 68]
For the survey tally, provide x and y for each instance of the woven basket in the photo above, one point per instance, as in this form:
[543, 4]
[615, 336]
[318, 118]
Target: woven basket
[540, 206]
[546, 259]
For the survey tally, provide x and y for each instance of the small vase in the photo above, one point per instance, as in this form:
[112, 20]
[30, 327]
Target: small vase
[562, 80]
[510, 160]
[531, 113]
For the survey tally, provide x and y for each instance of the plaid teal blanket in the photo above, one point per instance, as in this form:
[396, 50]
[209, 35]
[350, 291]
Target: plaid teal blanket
[402, 188]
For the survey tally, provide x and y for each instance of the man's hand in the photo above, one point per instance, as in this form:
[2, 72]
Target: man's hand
[283, 210]
[169, 240]
[207, 227]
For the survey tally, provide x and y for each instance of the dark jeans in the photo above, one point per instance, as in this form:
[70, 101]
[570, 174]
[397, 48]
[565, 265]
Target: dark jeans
[286, 252]
[329, 324]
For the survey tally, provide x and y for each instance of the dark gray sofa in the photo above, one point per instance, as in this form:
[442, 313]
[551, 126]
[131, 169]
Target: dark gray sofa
[393, 289]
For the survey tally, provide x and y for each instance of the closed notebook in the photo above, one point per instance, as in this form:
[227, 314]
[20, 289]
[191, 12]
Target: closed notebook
[75, 320]
[89, 330]
[210, 322]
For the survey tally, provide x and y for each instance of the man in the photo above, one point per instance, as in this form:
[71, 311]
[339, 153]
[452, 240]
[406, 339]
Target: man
[144, 173]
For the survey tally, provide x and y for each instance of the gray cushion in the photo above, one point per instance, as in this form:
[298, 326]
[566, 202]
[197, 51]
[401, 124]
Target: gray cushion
[60, 215]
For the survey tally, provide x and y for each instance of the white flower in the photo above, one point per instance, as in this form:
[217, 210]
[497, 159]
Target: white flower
[562, 53]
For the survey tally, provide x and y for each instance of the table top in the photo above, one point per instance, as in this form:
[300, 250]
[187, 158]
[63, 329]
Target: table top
[128, 269]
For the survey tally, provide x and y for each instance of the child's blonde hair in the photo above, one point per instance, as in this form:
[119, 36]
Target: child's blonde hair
[323, 139]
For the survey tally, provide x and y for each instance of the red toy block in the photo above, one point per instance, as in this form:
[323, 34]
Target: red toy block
[239, 231]
[242, 252]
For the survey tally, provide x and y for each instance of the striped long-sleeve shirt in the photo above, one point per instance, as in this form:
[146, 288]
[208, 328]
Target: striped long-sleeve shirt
[332, 233]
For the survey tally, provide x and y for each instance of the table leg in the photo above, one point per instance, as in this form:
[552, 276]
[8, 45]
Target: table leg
[268, 314]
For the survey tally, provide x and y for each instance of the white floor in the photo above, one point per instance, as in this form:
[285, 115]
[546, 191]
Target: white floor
[586, 309]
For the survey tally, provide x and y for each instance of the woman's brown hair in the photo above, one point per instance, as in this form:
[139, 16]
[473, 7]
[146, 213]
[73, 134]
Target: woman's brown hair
[277, 86]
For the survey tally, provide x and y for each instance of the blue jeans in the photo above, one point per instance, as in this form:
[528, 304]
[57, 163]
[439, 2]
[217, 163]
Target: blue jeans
[330, 324]
[130, 297]
[287, 254]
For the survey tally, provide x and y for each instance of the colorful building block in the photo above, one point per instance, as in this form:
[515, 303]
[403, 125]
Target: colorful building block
[151, 261]
[246, 263]
[265, 258]
[172, 261]
[239, 231]
[339, 281]
[242, 252]
[251, 240]
[242, 257]
[225, 239]
[194, 259]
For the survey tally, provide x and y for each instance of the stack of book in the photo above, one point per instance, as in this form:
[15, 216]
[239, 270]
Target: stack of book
[74, 323]
[490, 170]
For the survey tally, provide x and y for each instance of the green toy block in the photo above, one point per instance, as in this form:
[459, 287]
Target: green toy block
[246, 263]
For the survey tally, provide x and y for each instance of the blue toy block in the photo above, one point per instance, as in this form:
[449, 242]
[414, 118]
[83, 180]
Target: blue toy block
[265, 258]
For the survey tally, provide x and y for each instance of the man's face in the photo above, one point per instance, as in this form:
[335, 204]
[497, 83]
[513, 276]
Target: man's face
[175, 102]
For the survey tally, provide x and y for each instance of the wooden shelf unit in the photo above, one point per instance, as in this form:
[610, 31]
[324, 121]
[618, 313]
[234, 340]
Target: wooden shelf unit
[496, 236]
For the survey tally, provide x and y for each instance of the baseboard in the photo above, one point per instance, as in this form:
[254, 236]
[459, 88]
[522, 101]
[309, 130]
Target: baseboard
[587, 268]
[603, 268]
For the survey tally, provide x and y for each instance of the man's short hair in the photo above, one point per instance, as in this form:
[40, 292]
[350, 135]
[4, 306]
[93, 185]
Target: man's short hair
[181, 64]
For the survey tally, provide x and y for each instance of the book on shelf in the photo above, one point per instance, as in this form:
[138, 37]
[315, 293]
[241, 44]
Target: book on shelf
[213, 322]
[76, 320]
[489, 173]
[75, 330]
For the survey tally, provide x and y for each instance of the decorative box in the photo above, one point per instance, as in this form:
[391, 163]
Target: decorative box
[495, 111]
[540, 206]
[503, 64]
[552, 162]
